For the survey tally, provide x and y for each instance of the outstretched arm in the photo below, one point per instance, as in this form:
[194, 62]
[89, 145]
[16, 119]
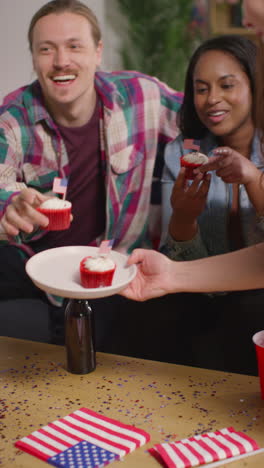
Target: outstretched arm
[157, 275]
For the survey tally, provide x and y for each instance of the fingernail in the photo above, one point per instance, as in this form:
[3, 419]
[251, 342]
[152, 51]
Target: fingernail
[220, 151]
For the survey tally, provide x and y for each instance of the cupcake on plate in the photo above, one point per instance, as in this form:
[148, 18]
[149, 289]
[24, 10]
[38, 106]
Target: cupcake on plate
[59, 213]
[96, 272]
[191, 161]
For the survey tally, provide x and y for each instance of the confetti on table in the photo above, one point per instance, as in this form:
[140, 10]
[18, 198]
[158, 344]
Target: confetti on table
[83, 439]
[206, 448]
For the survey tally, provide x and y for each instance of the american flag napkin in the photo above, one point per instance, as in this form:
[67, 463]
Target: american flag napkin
[83, 439]
[206, 448]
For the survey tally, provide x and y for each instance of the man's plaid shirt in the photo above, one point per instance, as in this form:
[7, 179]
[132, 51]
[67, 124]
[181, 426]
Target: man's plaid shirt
[138, 114]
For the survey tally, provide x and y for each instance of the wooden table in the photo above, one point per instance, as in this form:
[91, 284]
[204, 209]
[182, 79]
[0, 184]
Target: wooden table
[167, 400]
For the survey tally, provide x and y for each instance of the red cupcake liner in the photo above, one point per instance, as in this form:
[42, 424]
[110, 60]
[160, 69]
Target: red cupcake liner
[189, 168]
[95, 279]
[59, 220]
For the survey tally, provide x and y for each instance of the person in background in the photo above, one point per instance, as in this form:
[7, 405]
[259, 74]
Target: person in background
[100, 130]
[224, 211]
[241, 270]
[221, 212]
[254, 18]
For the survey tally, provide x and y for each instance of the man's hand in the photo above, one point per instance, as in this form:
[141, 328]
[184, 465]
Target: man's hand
[21, 214]
[231, 166]
[188, 202]
[153, 275]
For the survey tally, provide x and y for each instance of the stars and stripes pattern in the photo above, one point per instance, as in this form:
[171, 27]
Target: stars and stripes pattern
[60, 185]
[190, 144]
[83, 439]
[210, 447]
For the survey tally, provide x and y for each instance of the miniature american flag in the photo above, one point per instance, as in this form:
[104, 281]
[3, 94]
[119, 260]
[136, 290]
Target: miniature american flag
[105, 247]
[206, 448]
[191, 144]
[83, 439]
[60, 185]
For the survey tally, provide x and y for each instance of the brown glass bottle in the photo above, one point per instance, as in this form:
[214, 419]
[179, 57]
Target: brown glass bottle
[79, 337]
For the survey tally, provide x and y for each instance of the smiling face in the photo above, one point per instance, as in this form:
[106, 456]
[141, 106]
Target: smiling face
[253, 14]
[222, 94]
[65, 58]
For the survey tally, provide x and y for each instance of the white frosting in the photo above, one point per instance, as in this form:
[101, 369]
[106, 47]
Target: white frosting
[55, 204]
[99, 263]
[196, 158]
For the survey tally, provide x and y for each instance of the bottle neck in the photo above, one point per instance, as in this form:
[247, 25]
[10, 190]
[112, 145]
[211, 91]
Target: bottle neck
[78, 308]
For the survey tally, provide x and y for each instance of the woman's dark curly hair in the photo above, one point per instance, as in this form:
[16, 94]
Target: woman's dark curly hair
[242, 49]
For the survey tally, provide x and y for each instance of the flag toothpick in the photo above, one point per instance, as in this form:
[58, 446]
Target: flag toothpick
[191, 144]
[105, 247]
[60, 186]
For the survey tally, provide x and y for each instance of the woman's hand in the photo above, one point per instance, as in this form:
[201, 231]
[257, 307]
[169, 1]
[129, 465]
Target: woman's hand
[230, 166]
[153, 278]
[188, 202]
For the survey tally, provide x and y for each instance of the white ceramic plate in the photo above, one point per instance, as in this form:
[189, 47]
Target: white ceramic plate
[56, 271]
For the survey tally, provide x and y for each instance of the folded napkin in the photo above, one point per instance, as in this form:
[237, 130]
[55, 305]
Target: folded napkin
[83, 439]
[210, 447]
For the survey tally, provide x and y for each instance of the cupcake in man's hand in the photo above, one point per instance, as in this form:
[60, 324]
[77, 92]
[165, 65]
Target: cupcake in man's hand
[59, 213]
[96, 272]
[191, 161]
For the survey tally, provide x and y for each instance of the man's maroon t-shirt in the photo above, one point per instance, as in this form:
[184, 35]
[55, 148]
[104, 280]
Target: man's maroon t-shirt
[86, 188]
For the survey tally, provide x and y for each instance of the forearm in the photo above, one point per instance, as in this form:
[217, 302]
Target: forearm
[240, 270]
[182, 230]
[255, 191]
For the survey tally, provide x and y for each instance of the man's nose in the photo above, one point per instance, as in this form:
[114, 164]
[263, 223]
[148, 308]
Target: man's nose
[61, 58]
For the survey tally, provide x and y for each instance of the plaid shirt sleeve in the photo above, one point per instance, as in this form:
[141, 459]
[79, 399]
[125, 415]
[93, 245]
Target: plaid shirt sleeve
[171, 101]
[9, 167]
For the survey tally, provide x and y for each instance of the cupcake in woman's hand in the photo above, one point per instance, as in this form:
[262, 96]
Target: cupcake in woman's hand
[96, 272]
[59, 213]
[191, 161]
